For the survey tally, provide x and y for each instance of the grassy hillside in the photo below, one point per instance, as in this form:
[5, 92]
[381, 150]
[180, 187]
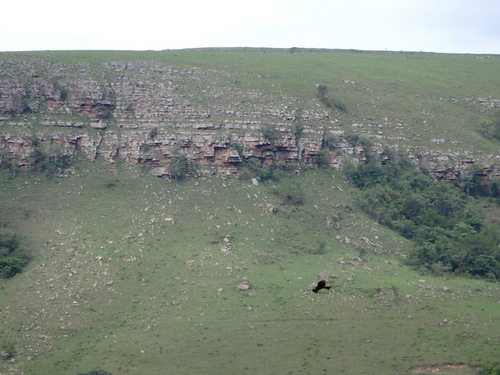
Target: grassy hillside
[134, 275]
[412, 99]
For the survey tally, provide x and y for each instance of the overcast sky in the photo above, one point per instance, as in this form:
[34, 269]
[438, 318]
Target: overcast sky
[461, 26]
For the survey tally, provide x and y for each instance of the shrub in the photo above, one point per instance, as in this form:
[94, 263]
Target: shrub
[7, 350]
[323, 95]
[291, 194]
[63, 94]
[153, 133]
[249, 167]
[492, 369]
[180, 167]
[330, 142]
[49, 158]
[328, 100]
[270, 133]
[491, 129]
[359, 141]
[323, 158]
[6, 163]
[10, 266]
[486, 266]
[298, 131]
[9, 241]
[13, 257]
[266, 173]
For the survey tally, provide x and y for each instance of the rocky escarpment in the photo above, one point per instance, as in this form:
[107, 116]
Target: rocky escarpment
[151, 114]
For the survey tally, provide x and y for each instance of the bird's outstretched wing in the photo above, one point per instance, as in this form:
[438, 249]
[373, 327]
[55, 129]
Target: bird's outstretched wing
[321, 285]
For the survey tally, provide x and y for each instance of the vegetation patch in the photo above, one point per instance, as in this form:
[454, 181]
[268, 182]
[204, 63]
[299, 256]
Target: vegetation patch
[491, 129]
[328, 100]
[49, 157]
[444, 222]
[13, 255]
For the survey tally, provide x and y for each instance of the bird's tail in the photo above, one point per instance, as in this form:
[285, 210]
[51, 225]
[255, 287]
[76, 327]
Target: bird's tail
[327, 287]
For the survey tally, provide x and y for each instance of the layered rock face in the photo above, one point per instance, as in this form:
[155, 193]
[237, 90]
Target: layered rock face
[151, 114]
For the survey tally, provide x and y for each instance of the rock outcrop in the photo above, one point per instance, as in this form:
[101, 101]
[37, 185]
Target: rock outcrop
[150, 114]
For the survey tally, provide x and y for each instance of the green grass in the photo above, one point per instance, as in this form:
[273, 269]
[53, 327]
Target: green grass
[127, 268]
[417, 96]
[127, 271]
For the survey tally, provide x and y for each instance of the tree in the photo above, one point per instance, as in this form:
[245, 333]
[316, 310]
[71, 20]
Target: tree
[10, 266]
[492, 369]
[13, 257]
[323, 158]
[412, 207]
[266, 173]
[298, 131]
[180, 167]
[445, 224]
[485, 265]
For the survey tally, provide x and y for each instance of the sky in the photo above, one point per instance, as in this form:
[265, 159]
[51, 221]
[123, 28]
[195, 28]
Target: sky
[448, 26]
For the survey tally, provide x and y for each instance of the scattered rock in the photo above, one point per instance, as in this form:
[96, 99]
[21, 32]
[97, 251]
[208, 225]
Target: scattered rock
[445, 367]
[243, 287]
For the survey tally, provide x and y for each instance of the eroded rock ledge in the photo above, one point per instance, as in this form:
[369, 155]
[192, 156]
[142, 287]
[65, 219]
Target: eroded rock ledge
[150, 114]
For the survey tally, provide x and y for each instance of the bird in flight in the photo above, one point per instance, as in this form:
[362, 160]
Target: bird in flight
[321, 285]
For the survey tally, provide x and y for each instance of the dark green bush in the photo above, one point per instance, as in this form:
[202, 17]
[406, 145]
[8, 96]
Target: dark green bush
[7, 350]
[249, 167]
[11, 266]
[270, 133]
[492, 369]
[267, 173]
[49, 158]
[291, 194]
[180, 167]
[298, 131]
[153, 132]
[323, 158]
[330, 142]
[13, 257]
[328, 100]
[445, 224]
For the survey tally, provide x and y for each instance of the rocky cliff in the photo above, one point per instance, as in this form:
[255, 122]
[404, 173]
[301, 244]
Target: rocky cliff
[151, 114]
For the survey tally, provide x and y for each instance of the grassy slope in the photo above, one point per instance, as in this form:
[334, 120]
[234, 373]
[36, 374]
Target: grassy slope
[420, 96]
[115, 284]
